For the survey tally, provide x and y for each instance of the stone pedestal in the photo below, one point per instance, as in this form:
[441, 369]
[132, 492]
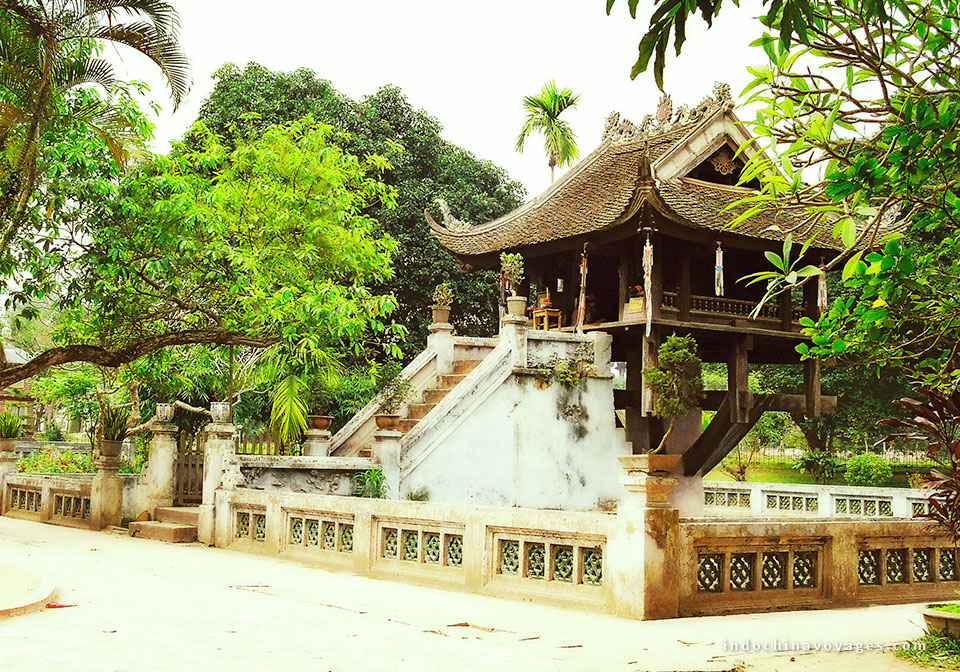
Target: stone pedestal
[386, 451]
[644, 551]
[218, 450]
[8, 457]
[157, 481]
[513, 330]
[440, 340]
[106, 494]
[317, 442]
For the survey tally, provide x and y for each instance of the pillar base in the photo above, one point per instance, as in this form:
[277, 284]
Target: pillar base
[106, 494]
[317, 442]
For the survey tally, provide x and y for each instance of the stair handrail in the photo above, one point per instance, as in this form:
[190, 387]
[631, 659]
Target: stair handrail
[365, 414]
[486, 377]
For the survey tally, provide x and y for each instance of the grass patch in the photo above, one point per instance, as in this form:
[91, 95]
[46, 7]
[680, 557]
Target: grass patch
[953, 608]
[933, 650]
[770, 470]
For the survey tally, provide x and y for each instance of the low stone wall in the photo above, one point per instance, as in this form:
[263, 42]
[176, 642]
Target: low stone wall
[59, 499]
[544, 556]
[788, 499]
[318, 475]
[737, 566]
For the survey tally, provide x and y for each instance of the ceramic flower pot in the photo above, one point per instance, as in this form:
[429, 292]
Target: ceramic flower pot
[7, 445]
[517, 305]
[322, 422]
[220, 411]
[110, 448]
[387, 421]
[441, 314]
[165, 412]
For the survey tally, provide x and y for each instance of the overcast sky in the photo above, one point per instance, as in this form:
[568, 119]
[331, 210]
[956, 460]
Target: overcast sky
[469, 64]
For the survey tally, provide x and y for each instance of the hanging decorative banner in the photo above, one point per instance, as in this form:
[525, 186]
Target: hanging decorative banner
[822, 290]
[718, 273]
[648, 282]
[581, 302]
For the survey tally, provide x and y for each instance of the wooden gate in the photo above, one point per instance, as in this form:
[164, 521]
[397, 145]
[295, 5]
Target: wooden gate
[189, 488]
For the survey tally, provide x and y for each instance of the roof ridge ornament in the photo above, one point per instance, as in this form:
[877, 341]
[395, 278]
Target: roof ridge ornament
[618, 130]
[448, 221]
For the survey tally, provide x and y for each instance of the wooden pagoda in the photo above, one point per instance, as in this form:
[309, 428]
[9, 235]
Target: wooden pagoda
[669, 181]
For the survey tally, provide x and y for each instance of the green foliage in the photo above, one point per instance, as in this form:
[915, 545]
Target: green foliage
[113, 422]
[71, 389]
[51, 432]
[421, 494]
[543, 116]
[370, 483]
[10, 425]
[568, 371]
[394, 388]
[51, 461]
[937, 650]
[428, 168]
[677, 381]
[443, 294]
[289, 413]
[511, 265]
[868, 469]
[819, 464]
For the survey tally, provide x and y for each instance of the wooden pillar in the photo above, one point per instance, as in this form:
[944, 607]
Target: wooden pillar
[811, 388]
[656, 280]
[810, 300]
[650, 357]
[683, 300]
[738, 384]
[642, 429]
[624, 283]
[786, 311]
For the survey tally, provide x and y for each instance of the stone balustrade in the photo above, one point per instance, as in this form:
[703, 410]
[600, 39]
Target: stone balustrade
[822, 501]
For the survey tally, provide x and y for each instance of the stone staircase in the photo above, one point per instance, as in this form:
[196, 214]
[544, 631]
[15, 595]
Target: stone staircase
[173, 524]
[432, 396]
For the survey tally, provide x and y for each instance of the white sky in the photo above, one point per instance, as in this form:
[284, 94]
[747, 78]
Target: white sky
[469, 64]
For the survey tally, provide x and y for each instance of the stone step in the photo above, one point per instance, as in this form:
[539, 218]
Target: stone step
[406, 424]
[173, 533]
[433, 396]
[418, 411]
[184, 515]
[465, 366]
[449, 380]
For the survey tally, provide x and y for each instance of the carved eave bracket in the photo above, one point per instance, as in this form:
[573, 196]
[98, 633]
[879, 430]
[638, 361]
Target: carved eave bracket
[448, 222]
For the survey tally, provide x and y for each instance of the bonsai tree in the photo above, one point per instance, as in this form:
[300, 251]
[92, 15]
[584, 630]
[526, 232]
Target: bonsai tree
[935, 421]
[677, 382]
[512, 267]
[443, 295]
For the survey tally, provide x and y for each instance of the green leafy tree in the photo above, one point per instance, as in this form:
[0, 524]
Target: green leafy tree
[49, 49]
[676, 381]
[428, 168]
[72, 389]
[543, 112]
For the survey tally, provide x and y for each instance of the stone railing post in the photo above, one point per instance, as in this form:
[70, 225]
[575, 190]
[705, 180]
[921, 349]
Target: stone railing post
[644, 552]
[157, 481]
[106, 494]
[440, 341]
[218, 450]
[8, 456]
[317, 442]
[386, 451]
[513, 330]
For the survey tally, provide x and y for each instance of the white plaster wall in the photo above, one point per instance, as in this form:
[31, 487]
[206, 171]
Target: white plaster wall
[528, 445]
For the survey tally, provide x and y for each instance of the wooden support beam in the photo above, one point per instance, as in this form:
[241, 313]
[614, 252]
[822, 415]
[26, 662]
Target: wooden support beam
[683, 298]
[738, 385]
[650, 347]
[811, 388]
[790, 403]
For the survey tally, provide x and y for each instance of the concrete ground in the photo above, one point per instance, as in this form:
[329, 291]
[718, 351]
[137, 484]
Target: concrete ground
[144, 605]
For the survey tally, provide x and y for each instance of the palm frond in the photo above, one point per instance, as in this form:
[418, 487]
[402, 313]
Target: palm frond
[288, 414]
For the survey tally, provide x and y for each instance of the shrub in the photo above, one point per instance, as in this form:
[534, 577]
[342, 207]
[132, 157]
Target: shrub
[512, 267]
[395, 388]
[114, 423]
[818, 463]
[443, 294]
[51, 432]
[868, 469]
[677, 381]
[370, 483]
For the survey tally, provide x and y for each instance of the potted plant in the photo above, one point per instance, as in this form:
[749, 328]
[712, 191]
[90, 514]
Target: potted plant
[319, 402]
[10, 428]
[113, 427]
[442, 300]
[512, 267]
[395, 389]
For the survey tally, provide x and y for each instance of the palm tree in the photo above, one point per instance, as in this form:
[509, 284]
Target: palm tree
[49, 48]
[543, 115]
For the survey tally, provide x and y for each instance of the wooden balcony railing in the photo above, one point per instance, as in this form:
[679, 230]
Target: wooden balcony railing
[722, 306]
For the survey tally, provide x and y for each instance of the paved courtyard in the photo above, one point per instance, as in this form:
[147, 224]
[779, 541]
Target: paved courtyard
[144, 605]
